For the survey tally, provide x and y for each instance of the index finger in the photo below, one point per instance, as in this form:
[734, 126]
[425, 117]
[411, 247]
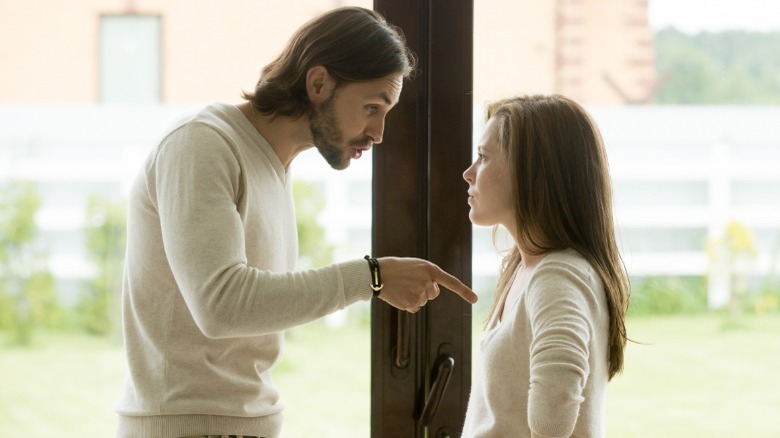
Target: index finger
[455, 285]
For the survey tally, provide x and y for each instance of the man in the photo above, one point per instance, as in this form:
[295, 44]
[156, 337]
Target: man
[209, 284]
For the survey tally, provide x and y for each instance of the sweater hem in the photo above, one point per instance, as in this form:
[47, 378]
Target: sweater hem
[176, 426]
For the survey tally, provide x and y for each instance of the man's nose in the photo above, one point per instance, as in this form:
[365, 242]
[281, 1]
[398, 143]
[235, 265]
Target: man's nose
[375, 130]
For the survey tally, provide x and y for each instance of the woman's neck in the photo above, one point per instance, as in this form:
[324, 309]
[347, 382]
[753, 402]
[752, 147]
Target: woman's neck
[529, 260]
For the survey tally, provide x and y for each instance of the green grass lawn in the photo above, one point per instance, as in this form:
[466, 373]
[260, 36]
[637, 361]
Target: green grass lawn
[691, 377]
[698, 377]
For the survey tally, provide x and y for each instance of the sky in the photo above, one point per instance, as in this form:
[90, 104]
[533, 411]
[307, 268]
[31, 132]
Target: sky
[693, 16]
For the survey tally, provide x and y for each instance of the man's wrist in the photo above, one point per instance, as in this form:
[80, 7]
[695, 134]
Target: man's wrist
[376, 277]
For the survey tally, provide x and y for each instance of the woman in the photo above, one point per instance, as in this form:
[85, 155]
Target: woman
[556, 333]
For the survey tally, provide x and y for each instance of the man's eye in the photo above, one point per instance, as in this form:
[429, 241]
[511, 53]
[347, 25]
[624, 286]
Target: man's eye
[372, 109]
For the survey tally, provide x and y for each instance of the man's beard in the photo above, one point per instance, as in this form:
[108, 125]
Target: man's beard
[326, 134]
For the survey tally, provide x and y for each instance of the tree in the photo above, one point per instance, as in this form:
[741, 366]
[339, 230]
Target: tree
[314, 250]
[98, 307]
[730, 67]
[27, 296]
[693, 77]
[731, 258]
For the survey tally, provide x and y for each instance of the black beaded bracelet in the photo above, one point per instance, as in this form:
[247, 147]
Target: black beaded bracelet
[376, 279]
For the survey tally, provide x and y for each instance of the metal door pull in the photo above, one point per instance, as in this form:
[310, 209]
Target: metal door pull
[445, 364]
[402, 340]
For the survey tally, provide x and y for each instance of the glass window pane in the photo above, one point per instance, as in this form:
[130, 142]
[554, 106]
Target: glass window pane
[130, 59]
[688, 102]
[167, 60]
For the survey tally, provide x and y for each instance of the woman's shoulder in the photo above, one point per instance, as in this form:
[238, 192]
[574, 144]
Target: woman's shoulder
[564, 270]
[568, 257]
[566, 263]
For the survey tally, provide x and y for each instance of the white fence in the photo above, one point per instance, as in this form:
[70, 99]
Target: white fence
[681, 173]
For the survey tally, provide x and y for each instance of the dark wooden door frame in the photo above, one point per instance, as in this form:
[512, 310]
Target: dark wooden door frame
[420, 210]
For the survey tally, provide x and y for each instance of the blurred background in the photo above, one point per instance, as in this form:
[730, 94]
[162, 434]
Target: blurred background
[686, 93]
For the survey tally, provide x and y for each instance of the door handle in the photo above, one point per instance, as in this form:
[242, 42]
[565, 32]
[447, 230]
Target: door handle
[444, 365]
[402, 339]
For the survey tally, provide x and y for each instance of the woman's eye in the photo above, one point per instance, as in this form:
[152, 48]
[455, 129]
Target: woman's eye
[372, 109]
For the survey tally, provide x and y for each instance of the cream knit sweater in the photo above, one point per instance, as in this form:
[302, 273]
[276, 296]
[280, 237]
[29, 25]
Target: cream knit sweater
[544, 367]
[209, 285]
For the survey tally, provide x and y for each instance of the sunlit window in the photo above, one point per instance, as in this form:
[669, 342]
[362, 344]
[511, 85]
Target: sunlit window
[686, 96]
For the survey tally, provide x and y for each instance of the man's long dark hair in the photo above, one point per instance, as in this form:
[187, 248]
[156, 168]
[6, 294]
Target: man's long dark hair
[354, 44]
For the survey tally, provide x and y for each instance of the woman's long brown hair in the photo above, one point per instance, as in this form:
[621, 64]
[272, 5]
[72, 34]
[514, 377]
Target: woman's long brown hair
[563, 196]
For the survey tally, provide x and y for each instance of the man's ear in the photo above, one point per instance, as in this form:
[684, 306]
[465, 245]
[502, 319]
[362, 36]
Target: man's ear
[319, 84]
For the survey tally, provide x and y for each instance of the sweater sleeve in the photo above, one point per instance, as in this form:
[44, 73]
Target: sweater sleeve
[561, 325]
[194, 182]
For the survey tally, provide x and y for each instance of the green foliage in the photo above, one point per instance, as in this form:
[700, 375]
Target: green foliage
[730, 67]
[314, 250]
[767, 298]
[98, 306]
[668, 295]
[27, 297]
[764, 300]
[732, 255]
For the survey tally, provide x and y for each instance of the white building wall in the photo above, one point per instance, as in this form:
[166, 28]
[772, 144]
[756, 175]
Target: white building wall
[687, 171]
[680, 175]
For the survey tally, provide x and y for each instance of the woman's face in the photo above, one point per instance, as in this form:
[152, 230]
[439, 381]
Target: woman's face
[490, 191]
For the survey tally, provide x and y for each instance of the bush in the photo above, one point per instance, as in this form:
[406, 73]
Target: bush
[98, 308]
[667, 295]
[27, 298]
[765, 299]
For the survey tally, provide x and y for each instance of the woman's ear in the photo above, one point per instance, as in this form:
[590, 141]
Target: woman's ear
[319, 84]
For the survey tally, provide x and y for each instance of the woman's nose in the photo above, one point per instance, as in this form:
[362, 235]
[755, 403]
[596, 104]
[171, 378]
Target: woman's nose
[468, 174]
